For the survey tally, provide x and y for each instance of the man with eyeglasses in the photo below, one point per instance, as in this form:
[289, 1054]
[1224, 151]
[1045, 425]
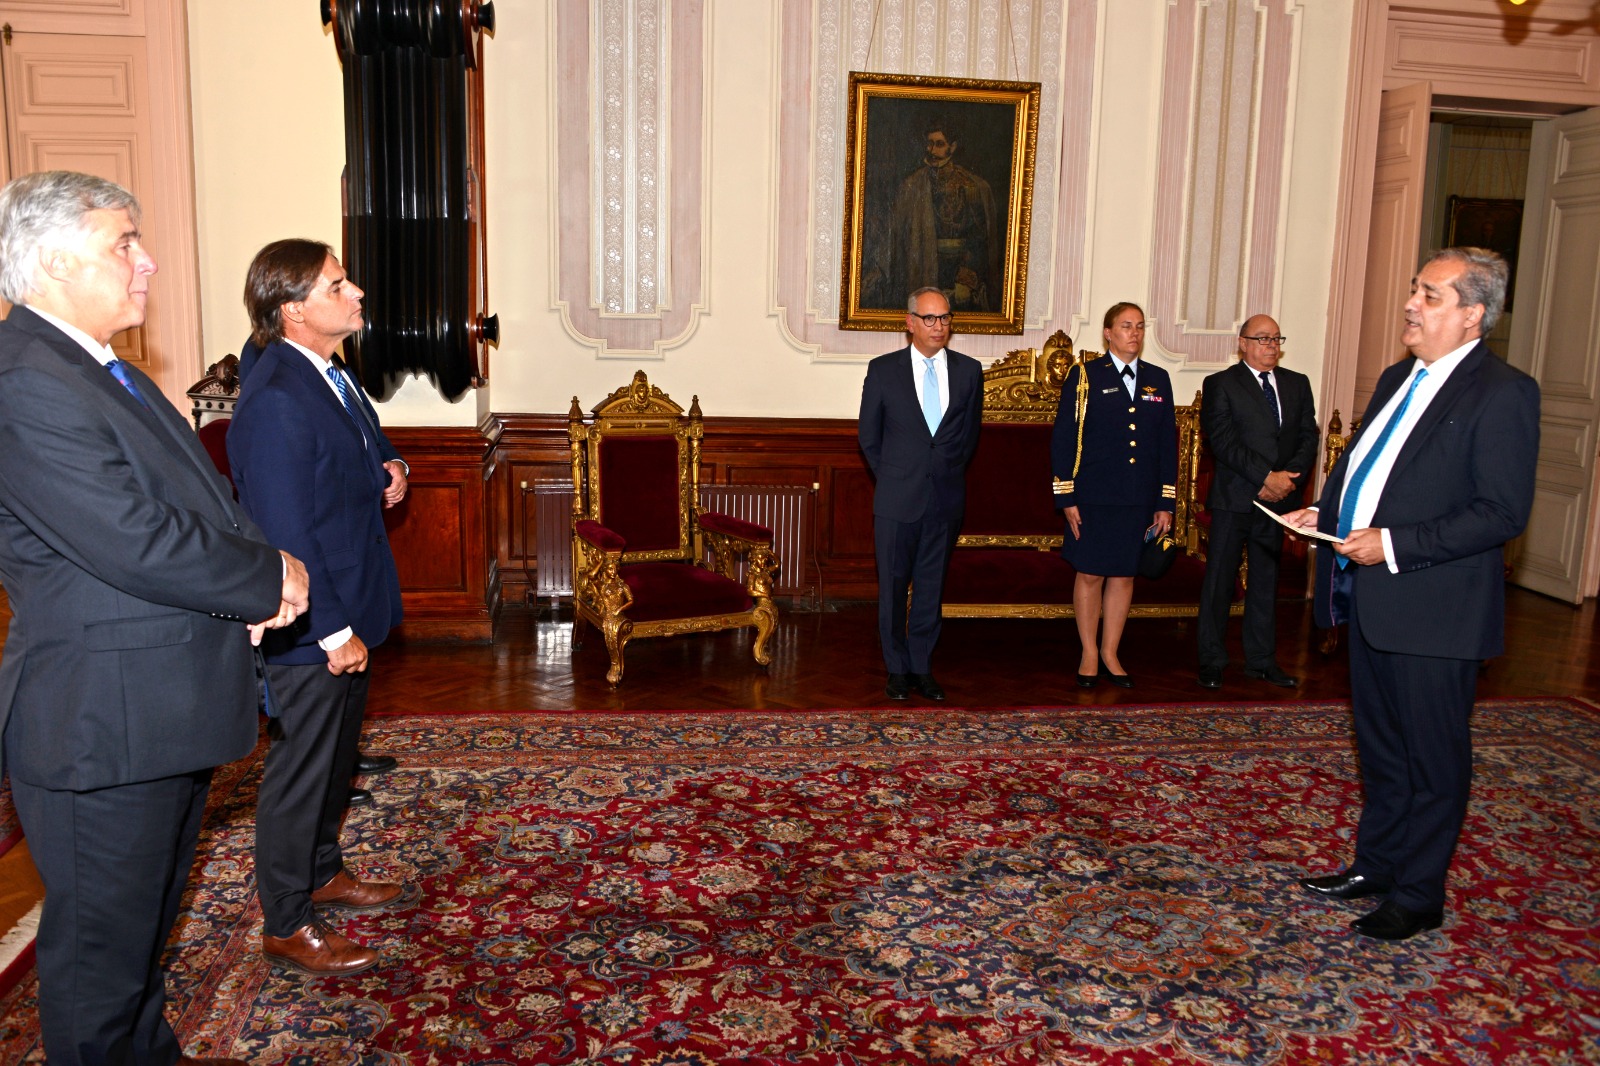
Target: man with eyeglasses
[921, 409]
[1261, 424]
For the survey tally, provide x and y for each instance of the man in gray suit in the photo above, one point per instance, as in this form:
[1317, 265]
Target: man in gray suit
[128, 671]
[1261, 425]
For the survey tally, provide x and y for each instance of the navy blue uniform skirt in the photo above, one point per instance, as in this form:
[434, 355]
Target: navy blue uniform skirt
[1110, 539]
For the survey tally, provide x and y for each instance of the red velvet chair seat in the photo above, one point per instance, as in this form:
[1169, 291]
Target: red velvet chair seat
[681, 590]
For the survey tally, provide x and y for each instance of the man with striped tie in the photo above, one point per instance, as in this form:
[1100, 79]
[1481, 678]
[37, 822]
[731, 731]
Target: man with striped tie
[310, 466]
[1439, 478]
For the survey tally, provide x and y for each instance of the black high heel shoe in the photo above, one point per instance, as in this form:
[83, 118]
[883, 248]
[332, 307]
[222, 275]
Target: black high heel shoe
[1119, 680]
[1088, 680]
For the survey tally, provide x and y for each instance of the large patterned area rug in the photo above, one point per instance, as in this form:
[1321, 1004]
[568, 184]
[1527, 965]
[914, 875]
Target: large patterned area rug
[1039, 886]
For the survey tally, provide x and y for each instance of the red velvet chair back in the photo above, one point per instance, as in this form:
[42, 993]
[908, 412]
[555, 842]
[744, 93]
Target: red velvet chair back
[641, 491]
[214, 438]
[1009, 483]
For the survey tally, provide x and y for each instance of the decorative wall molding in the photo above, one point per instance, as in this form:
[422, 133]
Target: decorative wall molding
[1548, 54]
[820, 41]
[1227, 91]
[631, 221]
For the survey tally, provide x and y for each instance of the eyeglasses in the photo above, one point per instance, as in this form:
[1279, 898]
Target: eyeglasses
[934, 320]
[1265, 339]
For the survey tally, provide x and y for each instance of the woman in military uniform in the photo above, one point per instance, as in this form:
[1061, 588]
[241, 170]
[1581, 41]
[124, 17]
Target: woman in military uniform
[1115, 456]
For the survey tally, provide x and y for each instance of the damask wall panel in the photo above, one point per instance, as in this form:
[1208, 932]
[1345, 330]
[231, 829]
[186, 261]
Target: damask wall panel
[1226, 92]
[1047, 41]
[630, 172]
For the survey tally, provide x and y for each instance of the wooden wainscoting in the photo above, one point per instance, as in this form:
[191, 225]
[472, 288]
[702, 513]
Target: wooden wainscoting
[744, 451]
[449, 572]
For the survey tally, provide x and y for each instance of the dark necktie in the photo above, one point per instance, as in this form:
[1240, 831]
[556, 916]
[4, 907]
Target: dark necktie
[1272, 396]
[1352, 487]
[119, 370]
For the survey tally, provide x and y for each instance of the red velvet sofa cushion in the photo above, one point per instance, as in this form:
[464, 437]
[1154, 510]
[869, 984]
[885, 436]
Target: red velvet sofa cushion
[679, 590]
[639, 491]
[1009, 484]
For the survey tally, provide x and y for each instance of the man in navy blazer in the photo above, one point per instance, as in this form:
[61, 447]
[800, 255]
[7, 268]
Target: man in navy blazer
[249, 355]
[1438, 479]
[921, 409]
[128, 670]
[1261, 426]
[309, 469]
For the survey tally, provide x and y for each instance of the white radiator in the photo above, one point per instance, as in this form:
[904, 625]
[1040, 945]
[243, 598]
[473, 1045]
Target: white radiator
[552, 539]
[784, 509]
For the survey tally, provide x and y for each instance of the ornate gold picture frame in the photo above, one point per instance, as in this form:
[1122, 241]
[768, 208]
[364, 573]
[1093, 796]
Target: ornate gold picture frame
[938, 191]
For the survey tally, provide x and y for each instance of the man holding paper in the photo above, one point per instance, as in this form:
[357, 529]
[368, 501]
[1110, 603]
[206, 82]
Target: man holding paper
[1439, 478]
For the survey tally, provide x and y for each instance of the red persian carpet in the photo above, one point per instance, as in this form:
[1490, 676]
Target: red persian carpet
[1087, 886]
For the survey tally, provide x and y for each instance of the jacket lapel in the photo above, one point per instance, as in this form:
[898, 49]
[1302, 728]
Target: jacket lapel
[1461, 382]
[160, 422]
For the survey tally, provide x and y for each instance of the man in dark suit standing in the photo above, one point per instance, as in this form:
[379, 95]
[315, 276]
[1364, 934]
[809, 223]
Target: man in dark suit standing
[308, 467]
[399, 472]
[921, 409]
[1260, 423]
[1440, 476]
[128, 671]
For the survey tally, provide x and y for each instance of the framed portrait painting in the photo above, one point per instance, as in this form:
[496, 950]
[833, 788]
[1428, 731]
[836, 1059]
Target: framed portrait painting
[938, 191]
[1492, 224]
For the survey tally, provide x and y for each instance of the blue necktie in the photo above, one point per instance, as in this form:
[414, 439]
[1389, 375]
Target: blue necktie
[930, 398]
[344, 398]
[119, 370]
[1352, 487]
[1272, 396]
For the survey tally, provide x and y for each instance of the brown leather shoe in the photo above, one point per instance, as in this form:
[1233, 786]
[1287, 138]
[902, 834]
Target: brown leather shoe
[346, 893]
[317, 950]
[185, 1060]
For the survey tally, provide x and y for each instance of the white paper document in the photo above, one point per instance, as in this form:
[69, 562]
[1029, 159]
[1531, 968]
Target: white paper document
[1278, 518]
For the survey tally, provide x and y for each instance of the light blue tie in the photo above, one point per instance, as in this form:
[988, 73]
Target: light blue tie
[1352, 488]
[930, 398]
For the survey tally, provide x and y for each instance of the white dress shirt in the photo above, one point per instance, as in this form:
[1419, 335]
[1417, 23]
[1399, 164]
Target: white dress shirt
[1131, 384]
[1439, 372]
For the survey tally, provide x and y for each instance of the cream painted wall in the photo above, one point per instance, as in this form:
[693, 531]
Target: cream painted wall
[269, 150]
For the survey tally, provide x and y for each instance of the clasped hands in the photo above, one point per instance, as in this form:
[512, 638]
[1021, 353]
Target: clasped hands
[1279, 484]
[295, 598]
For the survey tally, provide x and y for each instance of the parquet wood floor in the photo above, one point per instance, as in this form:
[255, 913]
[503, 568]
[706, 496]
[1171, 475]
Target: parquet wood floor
[829, 659]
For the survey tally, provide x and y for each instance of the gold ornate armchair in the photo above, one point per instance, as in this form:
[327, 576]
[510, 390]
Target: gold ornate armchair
[638, 534]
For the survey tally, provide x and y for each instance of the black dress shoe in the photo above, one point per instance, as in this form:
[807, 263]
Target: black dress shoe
[1394, 922]
[898, 687]
[359, 797]
[1211, 677]
[1346, 885]
[1272, 676]
[1119, 680]
[925, 684]
[1088, 680]
[374, 764]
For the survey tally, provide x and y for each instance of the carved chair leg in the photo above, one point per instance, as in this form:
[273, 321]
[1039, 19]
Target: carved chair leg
[616, 640]
[766, 623]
